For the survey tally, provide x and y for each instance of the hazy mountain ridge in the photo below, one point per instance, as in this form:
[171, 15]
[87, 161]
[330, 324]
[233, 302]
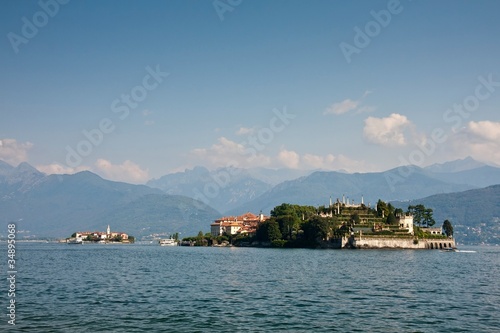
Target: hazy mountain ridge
[317, 188]
[18, 179]
[465, 164]
[161, 213]
[466, 171]
[58, 205]
[221, 188]
[277, 176]
[475, 214]
[480, 177]
[249, 191]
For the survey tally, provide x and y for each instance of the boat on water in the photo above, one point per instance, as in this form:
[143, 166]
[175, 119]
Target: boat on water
[168, 242]
[450, 249]
[457, 250]
[76, 240]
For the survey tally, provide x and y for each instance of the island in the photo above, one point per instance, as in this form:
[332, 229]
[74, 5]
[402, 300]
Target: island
[342, 224]
[100, 237]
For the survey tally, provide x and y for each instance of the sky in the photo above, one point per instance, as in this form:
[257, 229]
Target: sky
[133, 90]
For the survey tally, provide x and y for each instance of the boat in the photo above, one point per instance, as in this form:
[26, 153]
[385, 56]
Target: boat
[76, 240]
[450, 249]
[168, 242]
[457, 250]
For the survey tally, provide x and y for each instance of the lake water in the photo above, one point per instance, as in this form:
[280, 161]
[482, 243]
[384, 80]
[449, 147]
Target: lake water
[148, 288]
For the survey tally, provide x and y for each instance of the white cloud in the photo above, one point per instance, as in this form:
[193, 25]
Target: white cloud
[228, 153]
[481, 140]
[223, 147]
[128, 171]
[317, 161]
[14, 152]
[289, 158]
[348, 105]
[331, 163]
[342, 107]
[485, 130]
[245, 131]
[366, 109]
[58, 169]
[293, 160]
[366, 93]
[387, 131]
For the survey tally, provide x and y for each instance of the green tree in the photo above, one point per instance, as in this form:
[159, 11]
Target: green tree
[422, 216]
[268, 231]
[273, 231]
[200, 239]
[90, 238]
[301, 212]
[355, 218]
[315, 230]
[398, 212]
[117, 238]
[306, 212]
[382, 209]
[448, 228]
[391, 219]
[283, 210]
[390, 209]
[323, 209]
[428, 218]
[418, 214]
[288, 224]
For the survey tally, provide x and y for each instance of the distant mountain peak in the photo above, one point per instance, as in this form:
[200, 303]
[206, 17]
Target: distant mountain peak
[198, 170]
[25, 167]
[459, 165]
[5, 168]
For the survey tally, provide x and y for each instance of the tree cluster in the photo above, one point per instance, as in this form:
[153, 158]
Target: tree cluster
[296, 226]
[389, 212]
[422, 216]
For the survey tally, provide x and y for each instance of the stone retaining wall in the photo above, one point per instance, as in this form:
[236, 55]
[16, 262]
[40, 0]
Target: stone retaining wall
[357, 242]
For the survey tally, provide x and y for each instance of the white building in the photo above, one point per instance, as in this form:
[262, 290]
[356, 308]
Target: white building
[246, 223]
[433, 231]
[405, 221]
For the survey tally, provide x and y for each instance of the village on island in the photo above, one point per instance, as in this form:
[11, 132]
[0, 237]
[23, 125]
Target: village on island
[100, 237]
[340, 224]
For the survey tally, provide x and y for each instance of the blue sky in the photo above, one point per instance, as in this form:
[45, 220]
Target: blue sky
[233, 67]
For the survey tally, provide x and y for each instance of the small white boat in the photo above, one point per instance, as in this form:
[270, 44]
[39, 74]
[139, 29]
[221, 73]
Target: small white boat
[450, 249]
[457, 250]
[77, 240]
[168, 242]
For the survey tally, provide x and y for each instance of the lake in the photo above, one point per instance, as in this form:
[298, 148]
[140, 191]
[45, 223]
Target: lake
[148, 288]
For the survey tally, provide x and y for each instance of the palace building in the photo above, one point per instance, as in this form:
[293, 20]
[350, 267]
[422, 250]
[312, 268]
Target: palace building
[231, 225]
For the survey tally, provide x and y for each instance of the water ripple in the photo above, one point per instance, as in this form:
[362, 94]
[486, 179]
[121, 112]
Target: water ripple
[141, 288]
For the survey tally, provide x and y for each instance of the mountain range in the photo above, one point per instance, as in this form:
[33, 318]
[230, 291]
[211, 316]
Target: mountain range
[221, 188]
[58, 205]
[475, 214]
[234, 191]
[186, 202]
[317, 188]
